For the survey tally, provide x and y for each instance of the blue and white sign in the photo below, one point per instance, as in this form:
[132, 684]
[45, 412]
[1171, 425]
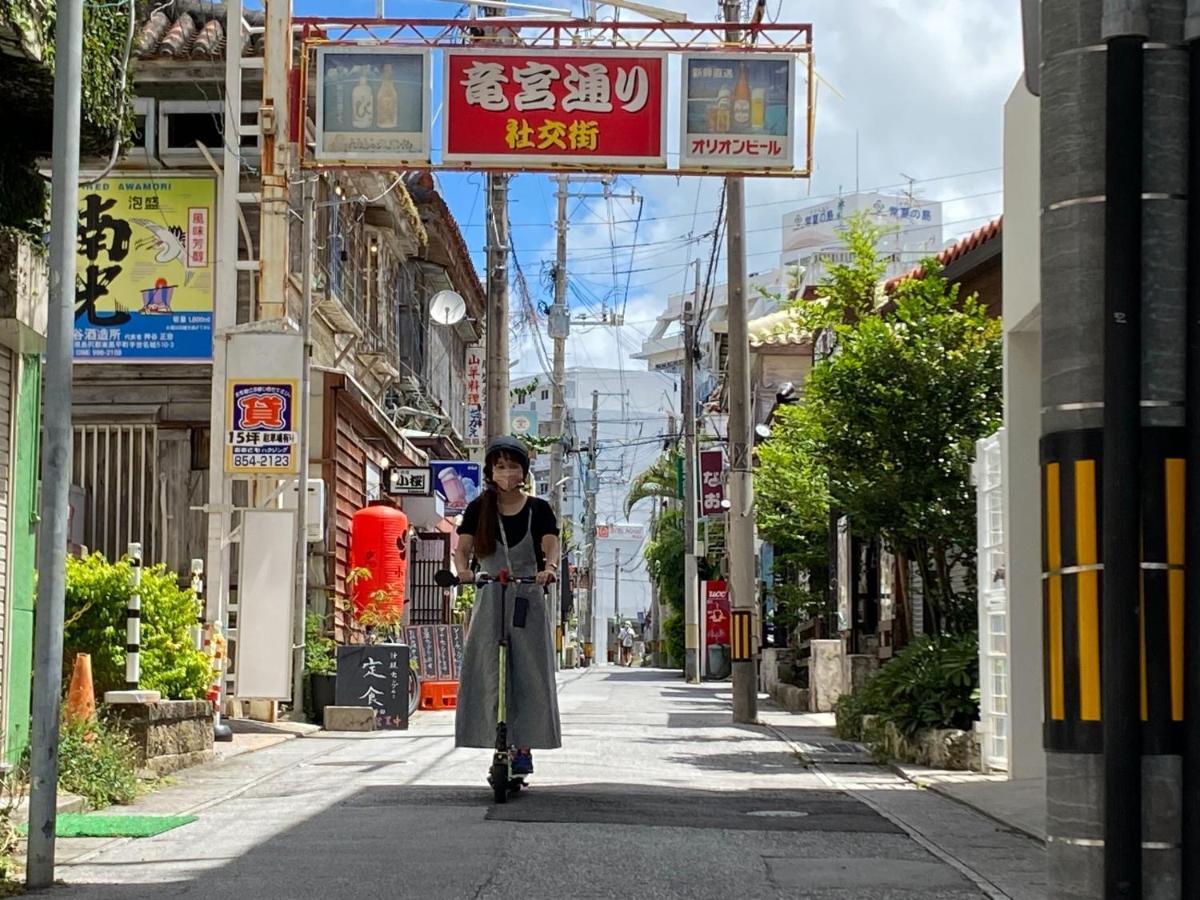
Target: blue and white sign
[456, 482]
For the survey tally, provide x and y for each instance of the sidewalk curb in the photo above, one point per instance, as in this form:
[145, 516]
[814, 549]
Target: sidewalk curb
[926, 784]
[195, 808]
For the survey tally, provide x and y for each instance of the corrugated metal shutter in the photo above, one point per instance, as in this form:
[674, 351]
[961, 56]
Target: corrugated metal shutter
[7, 378]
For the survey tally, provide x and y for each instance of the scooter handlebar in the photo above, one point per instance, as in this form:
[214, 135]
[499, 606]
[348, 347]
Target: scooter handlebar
[446, 578]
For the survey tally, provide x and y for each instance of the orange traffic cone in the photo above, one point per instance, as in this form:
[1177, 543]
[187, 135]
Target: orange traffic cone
[81, 698]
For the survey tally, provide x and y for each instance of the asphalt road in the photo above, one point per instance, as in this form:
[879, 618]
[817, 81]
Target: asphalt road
[655, 794]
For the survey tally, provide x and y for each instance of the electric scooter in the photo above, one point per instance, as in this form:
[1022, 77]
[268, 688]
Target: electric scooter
[500, 776]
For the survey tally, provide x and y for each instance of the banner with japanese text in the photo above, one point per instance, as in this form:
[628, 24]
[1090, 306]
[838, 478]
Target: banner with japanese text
[738, 111]
[544, 108]
[373, 105]
[474, 374]
[146, 270]
[716, 613]
[712, 483]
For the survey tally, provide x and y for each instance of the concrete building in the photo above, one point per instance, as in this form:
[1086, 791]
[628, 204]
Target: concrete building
[1008, 478]
[812, 240]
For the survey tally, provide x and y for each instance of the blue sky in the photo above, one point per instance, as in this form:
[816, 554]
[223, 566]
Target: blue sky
[919, 87]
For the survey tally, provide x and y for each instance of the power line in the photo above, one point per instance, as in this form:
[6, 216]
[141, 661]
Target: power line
[808, 201]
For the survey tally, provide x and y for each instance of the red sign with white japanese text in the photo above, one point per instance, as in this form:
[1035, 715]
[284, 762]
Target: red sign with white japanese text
[716, 612]
[712, 485]
[537, 109]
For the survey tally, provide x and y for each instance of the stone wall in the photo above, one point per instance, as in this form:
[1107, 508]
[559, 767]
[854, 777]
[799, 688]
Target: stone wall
[938, 748]
[168, 735]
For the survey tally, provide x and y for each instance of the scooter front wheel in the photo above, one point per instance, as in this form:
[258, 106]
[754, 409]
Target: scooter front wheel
[499, 780]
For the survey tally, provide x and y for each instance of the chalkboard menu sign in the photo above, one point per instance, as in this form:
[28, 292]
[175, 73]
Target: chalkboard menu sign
[438, 649]
[375, 675]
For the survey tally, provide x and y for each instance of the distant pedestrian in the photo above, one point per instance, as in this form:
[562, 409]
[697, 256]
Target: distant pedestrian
[625, 638]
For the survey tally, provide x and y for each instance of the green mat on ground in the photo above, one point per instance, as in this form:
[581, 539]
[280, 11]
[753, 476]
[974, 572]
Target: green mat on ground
[99, 825]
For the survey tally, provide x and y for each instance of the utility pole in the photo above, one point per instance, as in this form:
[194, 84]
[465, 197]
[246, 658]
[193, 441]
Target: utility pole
[591, 487]
[276, 161]
[220, 486]
[691, 606]
[497, 299]
[742, 585]
[56, 447]
[558, 332]
[300, 612]
[1116, 394]
[617, 587]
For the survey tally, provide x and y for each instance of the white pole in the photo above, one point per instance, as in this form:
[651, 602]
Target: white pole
[133, 621]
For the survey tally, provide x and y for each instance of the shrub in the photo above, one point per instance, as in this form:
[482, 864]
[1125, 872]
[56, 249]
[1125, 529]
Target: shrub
[97, 762]
[673, 635]
[97, 593]
[319, 649]
[848, 713]
[931, 683]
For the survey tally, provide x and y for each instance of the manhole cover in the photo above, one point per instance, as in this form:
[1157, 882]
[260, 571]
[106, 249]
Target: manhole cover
[778, 813]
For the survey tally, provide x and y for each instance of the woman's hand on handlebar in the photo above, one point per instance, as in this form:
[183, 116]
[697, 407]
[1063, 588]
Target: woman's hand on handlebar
[545, 577]
[465, 577]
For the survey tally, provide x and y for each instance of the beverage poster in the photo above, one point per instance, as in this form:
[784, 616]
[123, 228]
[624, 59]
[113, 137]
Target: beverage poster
[146, 270]
[738, 111]
[457, 482]
[372, 105]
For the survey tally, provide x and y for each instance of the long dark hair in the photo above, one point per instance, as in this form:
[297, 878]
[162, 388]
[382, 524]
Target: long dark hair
[487, 530]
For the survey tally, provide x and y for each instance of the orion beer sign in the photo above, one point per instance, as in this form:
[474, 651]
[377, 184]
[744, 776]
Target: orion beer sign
[712, 485]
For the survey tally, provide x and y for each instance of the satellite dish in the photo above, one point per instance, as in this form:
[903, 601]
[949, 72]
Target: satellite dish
[447, 308]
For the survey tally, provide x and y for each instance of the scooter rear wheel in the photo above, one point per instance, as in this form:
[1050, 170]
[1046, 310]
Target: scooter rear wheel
[499, 780]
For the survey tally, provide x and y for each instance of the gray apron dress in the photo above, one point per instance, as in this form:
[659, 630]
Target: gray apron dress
[531, 696]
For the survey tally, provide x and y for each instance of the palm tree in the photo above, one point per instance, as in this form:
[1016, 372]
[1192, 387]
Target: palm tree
[657, 481]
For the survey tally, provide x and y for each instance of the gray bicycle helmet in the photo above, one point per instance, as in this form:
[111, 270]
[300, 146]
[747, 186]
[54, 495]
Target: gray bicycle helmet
[509, 445]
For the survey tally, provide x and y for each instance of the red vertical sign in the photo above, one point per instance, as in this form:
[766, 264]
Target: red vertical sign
[716, 612]
[712, 486]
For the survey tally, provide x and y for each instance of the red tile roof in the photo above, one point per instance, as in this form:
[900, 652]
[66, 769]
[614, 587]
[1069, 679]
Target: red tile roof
[192, 29]
[955, 251]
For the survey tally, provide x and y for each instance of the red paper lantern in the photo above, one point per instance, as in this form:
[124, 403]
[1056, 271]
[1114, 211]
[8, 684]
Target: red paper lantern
[379, 545]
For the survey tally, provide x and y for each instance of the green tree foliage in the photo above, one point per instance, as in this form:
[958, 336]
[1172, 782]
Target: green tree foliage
[659, 480]
[27, 80]
[97, 594]
[664, 558]
[889, 423]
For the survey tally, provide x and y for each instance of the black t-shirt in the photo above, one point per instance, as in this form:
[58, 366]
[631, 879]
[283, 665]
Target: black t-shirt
[543, 524]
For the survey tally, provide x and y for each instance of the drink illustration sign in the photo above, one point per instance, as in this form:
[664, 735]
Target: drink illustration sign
[375, 105]
[738, 111]
[456, 482]
[144, 289]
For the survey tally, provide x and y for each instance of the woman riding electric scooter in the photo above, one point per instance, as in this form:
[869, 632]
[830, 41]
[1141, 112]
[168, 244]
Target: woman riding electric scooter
[506, 530]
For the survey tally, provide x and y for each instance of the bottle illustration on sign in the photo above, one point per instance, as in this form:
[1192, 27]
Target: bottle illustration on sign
[387, 112]
[741, 100]
[364, 104]
[723, 119]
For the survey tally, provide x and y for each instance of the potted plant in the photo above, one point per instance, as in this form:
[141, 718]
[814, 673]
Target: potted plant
[320, 665]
